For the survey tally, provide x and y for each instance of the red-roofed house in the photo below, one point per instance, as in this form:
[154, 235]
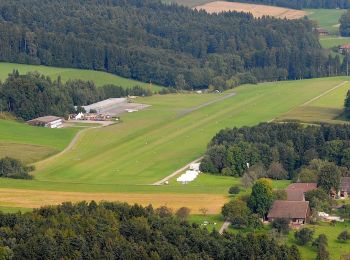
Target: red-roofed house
[304, 187]
[297, 212]
[344, 49]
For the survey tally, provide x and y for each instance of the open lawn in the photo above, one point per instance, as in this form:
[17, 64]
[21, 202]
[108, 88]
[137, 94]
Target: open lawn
[336, 249]
[98, 77]
[254, 9]
[214, 221]
[125, 159]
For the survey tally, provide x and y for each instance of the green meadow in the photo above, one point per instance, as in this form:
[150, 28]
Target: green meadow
[326, 18]
[98, 77]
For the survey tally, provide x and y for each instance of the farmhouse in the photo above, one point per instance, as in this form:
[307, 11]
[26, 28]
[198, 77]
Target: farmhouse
[344, 49]
[297, 212]
[322, 31]
[47, 121]
[344, 188]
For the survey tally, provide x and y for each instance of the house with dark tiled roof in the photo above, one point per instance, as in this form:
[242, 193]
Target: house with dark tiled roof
[296, 191]
[297, 212]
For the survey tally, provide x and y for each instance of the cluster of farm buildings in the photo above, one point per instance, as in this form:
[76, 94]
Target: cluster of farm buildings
[296, 209]
[106, 110]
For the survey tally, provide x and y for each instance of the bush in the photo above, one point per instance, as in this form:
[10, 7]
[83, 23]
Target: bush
[13, 168]
[344, 236]
[183, 213]
[303, 236]
[321, 240]
[281, 225]
[234, 190]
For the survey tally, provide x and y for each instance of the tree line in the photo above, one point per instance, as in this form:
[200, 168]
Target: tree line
[33, 95]
[284, 149]
[120, 231]
[167, 44]
[301, 4]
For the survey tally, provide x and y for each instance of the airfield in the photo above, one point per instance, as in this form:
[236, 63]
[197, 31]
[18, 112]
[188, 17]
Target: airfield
[123, 161]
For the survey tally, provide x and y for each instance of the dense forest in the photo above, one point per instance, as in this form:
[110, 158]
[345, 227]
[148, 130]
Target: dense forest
[33, 95]
[283, 149]
[300, 4]
[119, 231]
[166, 44]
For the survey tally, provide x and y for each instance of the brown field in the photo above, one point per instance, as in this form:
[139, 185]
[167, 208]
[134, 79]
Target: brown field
[35, 199]
[255, 10]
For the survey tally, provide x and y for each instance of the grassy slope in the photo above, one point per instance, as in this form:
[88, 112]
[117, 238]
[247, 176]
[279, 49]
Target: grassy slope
[153, 143]
[98, 77]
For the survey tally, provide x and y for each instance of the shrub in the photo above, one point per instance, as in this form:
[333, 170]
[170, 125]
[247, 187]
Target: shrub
[303, 236]
[234, 190]
[344, 236]
[183, 213]
[281, 225]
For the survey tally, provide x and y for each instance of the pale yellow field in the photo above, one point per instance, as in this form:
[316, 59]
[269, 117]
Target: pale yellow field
[34, 199]
[255, 10]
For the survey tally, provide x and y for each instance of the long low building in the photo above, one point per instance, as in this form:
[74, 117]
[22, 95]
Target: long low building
[105, 105]
[47, 121]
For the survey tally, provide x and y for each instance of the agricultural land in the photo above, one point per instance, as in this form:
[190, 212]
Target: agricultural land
[255, 10]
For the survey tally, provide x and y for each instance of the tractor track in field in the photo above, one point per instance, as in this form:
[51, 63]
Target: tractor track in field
[190, 110]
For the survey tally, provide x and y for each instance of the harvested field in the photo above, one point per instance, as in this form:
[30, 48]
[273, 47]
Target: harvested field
[255, 10]
[34, 199]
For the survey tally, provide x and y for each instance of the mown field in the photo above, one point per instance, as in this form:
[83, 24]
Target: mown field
[327, 108]
[98, 77]
[31, 144]
[120, 162]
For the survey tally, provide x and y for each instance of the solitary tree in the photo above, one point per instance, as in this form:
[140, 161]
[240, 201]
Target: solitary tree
[261, 198]
[303, 236]
[183, 213]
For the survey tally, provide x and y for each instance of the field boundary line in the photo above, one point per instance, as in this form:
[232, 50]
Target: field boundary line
[324, 93]
[177, 172]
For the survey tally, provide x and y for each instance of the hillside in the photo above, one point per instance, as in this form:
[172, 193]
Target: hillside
[166, 44]
[98, 77]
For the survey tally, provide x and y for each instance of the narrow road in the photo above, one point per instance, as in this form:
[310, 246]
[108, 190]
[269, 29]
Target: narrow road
[176, 172]
[224, 227]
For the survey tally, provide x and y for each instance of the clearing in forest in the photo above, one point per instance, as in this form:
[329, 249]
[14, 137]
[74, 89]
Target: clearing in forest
[254, 9]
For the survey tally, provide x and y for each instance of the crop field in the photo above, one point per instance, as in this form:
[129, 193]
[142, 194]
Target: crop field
[254, 9]
[122, 161]
[327, 108]
[98, 77]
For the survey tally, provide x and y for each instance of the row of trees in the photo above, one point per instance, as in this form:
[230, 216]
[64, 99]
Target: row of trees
[283, 149]
[119, 231]
[167, 44]
[33, 95]
[301, 4]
